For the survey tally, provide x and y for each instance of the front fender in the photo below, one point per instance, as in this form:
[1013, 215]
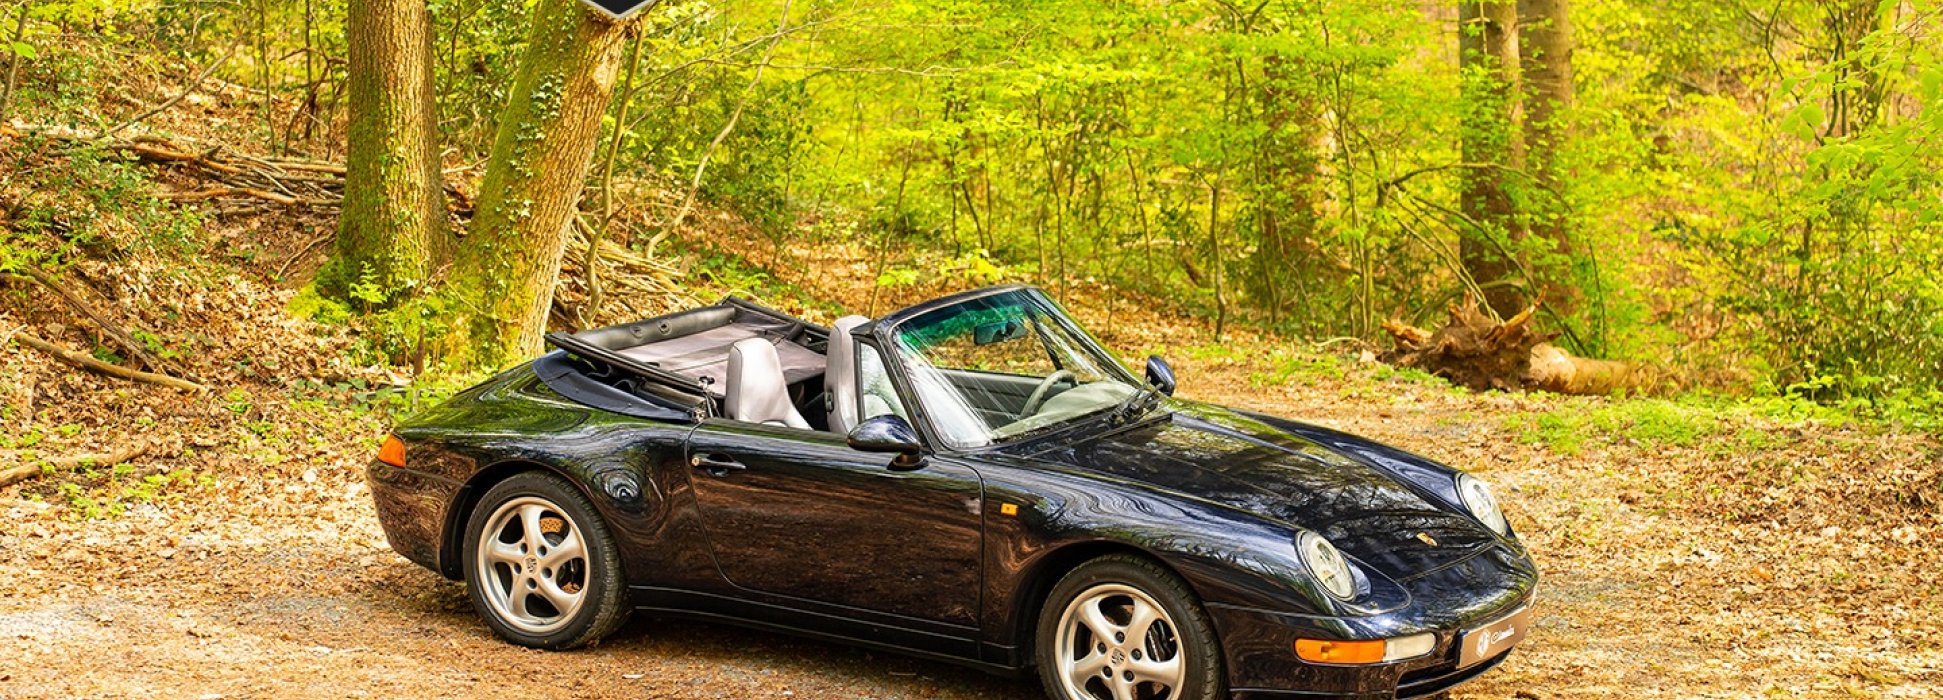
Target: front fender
[1230, 558]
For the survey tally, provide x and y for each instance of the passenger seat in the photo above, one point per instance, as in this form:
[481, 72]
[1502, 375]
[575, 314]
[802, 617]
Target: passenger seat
[840, 375]
[756, 391]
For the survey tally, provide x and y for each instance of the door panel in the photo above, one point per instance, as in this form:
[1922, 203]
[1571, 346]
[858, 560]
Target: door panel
[799, 513]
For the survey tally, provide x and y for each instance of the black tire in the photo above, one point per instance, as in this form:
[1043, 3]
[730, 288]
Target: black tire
[595, 575]
[1204, 676]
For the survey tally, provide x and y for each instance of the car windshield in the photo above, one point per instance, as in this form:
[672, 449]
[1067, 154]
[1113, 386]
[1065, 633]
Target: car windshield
[1004, 365]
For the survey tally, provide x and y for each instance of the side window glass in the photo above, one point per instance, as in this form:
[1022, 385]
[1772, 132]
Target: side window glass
[876, 395]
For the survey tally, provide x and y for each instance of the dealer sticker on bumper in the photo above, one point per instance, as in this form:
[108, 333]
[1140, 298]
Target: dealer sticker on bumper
[1493, 638]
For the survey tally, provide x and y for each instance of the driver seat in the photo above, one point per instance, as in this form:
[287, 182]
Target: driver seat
[755, 390]
[840, 375]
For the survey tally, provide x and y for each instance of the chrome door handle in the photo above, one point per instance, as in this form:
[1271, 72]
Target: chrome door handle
[716, 464]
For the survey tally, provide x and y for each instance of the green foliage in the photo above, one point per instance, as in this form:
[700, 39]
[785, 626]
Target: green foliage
[368, 289]
[1752, 193]
[1721, 424]
[309, 304]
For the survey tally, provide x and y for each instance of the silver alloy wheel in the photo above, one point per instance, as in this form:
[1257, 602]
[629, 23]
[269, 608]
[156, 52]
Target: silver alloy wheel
[1116, 643]
[532, 565]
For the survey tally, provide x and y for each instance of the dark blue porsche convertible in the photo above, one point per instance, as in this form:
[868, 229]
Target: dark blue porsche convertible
[973, 479]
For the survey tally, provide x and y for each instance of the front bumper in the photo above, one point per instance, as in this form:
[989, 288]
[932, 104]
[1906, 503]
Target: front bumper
[1260, 644]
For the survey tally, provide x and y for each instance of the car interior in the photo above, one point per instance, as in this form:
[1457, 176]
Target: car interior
[760, 365]
[765, 367]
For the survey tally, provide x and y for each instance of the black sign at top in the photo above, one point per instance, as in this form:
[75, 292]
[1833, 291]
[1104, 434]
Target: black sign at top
[620, 9]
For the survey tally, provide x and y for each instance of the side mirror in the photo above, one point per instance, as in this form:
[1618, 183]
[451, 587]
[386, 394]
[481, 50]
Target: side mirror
[890, 433]
[1160, 375]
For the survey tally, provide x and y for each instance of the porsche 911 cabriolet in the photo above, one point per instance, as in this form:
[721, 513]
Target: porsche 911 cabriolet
[972, 479]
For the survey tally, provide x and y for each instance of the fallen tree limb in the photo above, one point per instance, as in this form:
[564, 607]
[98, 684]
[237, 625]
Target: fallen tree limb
[1474, 351]
[216, 192]
[117, 371]
[1557, 371]
[109, 328]
[171, 102]
[14, 475]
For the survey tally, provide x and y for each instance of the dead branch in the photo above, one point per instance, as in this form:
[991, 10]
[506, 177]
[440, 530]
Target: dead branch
[285, 181]
[285, 267]
[218, 192]
[109, 328]
[171, 102]
[14, 475]
[1552, 369]
[1476, 352]
[117, 371]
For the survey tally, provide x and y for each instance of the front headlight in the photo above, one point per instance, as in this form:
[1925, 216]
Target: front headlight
[1326, 564]
[1478, 498]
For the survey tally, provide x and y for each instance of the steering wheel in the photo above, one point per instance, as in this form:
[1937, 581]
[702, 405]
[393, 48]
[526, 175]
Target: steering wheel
[1039, 394]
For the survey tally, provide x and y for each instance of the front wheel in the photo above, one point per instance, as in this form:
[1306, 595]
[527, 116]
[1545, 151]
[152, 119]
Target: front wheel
[1122, 627]
[540, 565]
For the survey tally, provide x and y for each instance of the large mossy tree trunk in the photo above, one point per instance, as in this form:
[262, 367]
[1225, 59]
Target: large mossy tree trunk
[1545, 46]
[1488, 62]
[392, 226]
[502, 278]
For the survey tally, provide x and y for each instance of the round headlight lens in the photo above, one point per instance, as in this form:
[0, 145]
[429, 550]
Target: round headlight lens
[1326, 564]
[1478, 498]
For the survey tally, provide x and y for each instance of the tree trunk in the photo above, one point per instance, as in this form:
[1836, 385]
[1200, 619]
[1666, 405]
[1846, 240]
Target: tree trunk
[503, 275]
[1488, 62]
[1545, 45]
[393, 218]
[1292, 170]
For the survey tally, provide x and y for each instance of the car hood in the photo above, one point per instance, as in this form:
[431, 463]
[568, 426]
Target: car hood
[1229, 458]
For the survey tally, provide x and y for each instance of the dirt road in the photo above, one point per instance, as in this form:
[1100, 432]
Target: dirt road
[280, 585]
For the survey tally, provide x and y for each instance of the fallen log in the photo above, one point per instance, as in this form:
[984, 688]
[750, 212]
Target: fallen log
[89, 363]
[17, 474]
[1474, 351]
[1557, 371]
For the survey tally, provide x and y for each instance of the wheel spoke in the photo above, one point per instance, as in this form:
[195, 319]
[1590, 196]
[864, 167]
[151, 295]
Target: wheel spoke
[502, 552]
[517, 599]
[562, 601]
[1167, 673]
[1122, 688]
[1144, 616]
[1094, 620]
[529, 520]
[567, 550]
[1082, 670]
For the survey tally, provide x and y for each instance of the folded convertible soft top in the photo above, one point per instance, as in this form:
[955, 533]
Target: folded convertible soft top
[684, 356]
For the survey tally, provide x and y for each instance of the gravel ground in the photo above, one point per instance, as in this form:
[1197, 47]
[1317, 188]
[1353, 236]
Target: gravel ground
[282, 586]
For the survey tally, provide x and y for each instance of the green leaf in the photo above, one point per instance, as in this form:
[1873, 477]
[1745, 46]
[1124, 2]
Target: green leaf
[24, 50]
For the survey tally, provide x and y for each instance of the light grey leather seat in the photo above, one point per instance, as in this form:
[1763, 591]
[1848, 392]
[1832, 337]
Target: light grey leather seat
[755, 390]
[840, 375]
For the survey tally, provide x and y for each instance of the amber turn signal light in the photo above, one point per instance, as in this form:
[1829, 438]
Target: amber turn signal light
[393, 451]
[1375, 651]
[1329, 652]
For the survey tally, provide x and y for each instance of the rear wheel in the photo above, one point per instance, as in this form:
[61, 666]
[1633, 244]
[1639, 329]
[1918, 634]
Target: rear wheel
[541, 567]
[1123, 628]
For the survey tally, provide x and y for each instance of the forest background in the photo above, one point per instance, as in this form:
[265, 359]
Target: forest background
[1740, 197]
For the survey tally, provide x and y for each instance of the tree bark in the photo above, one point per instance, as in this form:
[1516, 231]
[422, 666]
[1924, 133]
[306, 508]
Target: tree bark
[503, 275]
[393, 220]
[1488, 63]
[1292, 172]
[1545, 45]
